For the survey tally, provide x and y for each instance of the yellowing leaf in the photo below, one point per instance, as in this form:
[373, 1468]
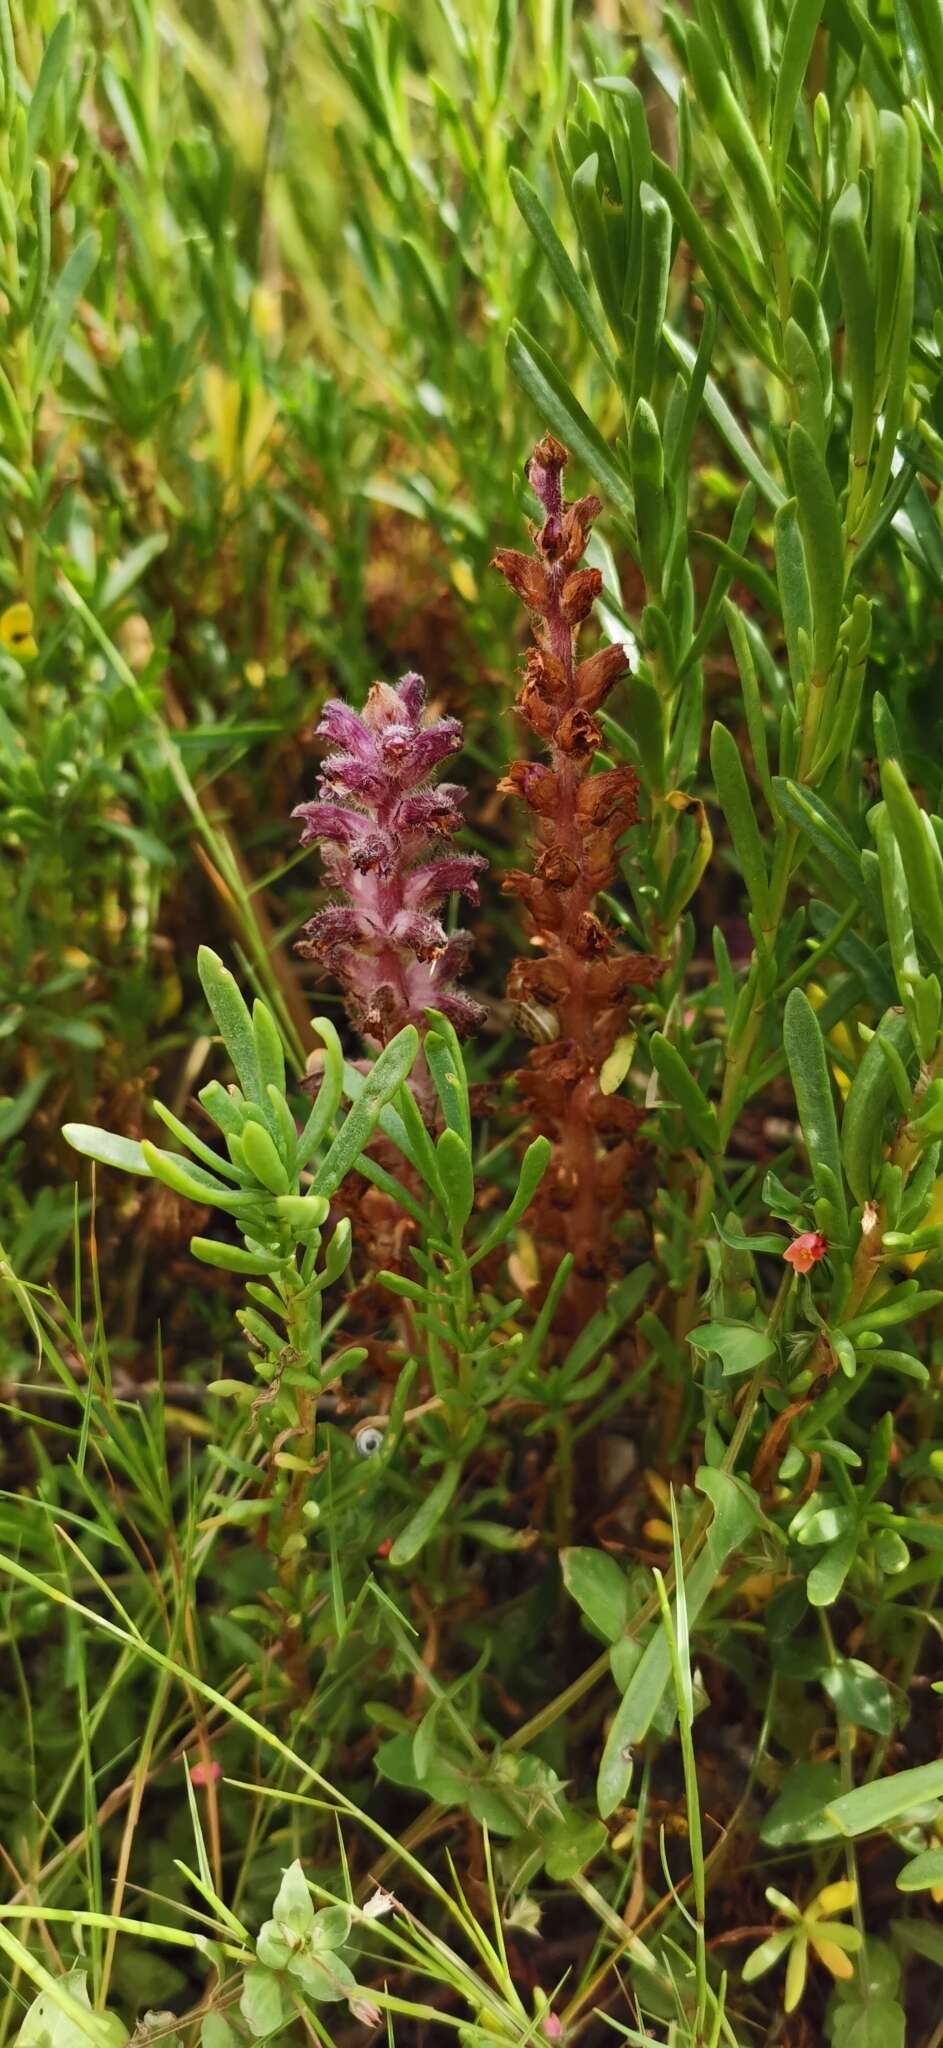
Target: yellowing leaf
[464, 581]
[524, 1264]
[16, 632]
[835, 1898]
[660, 1489]
[833, 1958]
[841, 1039]
[933, 1220]
[239, 431]
[614, 1069]
[265, 312]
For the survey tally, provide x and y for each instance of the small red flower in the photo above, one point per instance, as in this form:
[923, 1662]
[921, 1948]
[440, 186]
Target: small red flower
[805, 1252]
[383, 1549]
[206, 1774]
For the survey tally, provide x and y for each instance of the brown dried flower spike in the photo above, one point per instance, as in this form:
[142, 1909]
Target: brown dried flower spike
[580, 817]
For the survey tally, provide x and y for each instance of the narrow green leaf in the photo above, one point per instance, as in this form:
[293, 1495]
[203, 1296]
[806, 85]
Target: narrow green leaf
[448, 1074]
[741, 1241]
[419, 1148]
[230, 1258]
[720, 104]
[739, 568]
[532, 1169]
[811, 815]
[51, 69]
[923, 863]
[752, 701]
[232, 1018]
[735, 1517]
[648, 488]
[808, 1065]
[797, 1817]
[620, 1305]
[428, 1515]
[820, 525]
[593, 226]
[645, 723]
[681, 1087]
[61, 304]
[652, 290]
[806, 383]
[763, 1958]
[804, 17]
[905, 1309]
[895, 384]
[927, 18]
[899, 922]
[850, 255]
[806, 309]
[889, 224]
[262, 1158]
[870, 1098]
[41, 197]
[226, 1111]
[541, 226]
[457, 1178]
[729, 429]
[188, 1179]
[746, 319]
[106, 1147]
[737, 805]
[269, 1051]
[557, 406]
[747, 28]
[795, 595]
[446, 1032]
[189, 1140]
[328, 1098]
[871, 1807]
[7, 61]
[385, 1078]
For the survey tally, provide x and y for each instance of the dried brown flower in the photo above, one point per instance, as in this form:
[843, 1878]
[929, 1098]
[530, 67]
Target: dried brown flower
[577, 970]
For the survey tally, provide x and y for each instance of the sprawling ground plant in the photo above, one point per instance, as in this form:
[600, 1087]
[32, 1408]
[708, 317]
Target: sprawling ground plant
[472, 1521]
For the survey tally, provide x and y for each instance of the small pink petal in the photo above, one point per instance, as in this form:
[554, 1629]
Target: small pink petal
[206, 1774]
[805, 1252]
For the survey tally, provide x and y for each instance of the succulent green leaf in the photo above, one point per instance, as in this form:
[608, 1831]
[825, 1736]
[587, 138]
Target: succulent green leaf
[106, 1148]
[385, 1078]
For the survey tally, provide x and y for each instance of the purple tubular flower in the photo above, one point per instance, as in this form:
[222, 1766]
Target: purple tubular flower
[380, 826]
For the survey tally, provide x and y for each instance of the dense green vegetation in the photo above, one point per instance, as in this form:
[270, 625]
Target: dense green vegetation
[470, 1334]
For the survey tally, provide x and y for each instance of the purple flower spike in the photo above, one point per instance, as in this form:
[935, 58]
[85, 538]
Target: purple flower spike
[381, 825]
